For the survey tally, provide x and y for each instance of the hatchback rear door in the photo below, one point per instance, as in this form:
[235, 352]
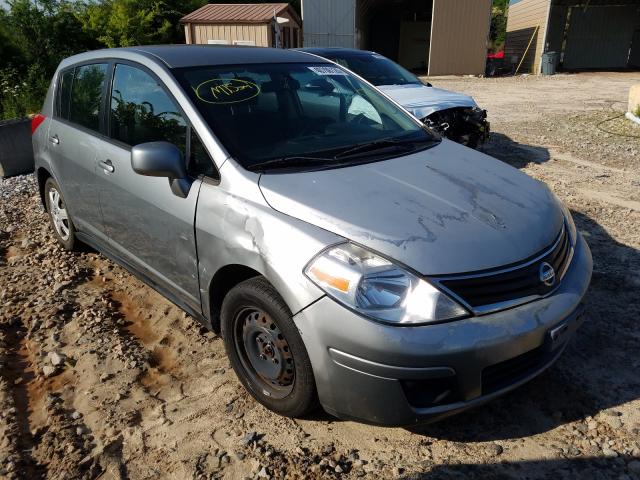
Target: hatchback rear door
[74, 138]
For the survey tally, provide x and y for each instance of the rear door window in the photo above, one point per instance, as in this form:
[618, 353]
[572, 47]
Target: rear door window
[85, 97]
[141, 111]
[66, 80]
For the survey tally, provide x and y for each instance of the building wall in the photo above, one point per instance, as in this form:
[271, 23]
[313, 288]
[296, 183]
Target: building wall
[201, 33]
[522, 21]
[329, 23]
[459, 35]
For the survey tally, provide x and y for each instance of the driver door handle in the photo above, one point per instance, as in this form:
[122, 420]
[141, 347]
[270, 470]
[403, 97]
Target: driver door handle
[107, 166]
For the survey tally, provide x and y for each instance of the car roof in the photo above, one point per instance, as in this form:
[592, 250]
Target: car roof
[334, 51]
[181, 56]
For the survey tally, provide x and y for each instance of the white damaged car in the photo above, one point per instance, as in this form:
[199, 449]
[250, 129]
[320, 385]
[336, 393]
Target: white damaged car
[453, 115]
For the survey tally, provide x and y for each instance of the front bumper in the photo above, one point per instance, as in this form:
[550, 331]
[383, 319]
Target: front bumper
[400, 376]
[465, 125]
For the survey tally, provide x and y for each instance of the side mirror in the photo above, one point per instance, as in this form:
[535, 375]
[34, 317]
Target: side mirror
[161, 159]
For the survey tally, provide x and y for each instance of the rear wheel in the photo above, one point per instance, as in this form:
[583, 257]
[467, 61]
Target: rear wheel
[266, 350]
[61, 222]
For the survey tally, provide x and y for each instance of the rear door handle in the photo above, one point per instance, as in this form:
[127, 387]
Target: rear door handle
[54, 139]
[107, 166]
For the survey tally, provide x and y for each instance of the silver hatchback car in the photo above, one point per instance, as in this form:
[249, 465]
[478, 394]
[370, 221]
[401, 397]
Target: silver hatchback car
[347, 254]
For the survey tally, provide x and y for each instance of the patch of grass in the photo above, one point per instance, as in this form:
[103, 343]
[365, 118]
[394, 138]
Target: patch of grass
[636, 112]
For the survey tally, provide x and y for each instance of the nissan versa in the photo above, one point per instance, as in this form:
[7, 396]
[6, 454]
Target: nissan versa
[347, 254]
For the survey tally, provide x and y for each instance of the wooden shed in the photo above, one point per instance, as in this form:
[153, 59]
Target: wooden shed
[262, 25]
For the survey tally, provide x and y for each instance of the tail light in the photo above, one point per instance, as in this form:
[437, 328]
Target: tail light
[36, 120]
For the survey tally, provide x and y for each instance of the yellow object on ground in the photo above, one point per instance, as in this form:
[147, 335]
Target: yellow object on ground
[634, 98]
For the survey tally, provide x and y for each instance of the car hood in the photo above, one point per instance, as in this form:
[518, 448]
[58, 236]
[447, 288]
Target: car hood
[422, 101]
[448, 209]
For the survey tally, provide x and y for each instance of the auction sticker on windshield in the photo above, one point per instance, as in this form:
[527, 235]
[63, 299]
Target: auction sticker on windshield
[327, 70]
[223, 91]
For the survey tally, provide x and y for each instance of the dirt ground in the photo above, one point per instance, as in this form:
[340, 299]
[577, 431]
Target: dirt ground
[102, 377]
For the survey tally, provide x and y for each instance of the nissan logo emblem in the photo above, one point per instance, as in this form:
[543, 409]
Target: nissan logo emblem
[547, 274]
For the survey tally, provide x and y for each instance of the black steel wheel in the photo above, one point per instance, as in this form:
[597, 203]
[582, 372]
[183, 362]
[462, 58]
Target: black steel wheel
[264, 352]
[265, 348]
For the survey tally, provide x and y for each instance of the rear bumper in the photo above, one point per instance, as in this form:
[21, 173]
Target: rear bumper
[407, 375]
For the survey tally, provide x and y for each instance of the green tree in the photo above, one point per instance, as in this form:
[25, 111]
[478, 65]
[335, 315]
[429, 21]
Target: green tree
[498, 24]
[8, 50]
[47, 31]
[36, 34]
[122, 23]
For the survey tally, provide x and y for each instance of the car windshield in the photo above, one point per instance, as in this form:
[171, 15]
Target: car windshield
[300, 114]
[376, 69]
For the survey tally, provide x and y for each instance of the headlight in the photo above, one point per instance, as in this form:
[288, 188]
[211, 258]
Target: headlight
[375, 287]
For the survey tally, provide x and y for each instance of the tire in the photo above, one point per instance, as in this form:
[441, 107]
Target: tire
[63, 227]
[265, 349]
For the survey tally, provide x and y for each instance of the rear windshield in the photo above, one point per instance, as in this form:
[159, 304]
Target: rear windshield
[275, 111]
[376, 69]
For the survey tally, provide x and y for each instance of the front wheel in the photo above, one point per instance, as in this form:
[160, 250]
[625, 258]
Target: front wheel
[266, 350]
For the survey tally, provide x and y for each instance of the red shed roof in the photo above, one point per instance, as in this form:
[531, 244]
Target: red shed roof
[235, 13]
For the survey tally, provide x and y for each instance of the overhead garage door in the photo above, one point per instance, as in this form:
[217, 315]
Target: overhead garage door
[600, 36]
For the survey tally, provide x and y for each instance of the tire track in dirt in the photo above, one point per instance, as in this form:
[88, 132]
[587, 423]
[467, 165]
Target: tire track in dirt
[19, 372]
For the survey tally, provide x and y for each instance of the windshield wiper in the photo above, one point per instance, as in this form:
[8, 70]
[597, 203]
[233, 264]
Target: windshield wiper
[296, 161]
[363, 148]
[291, 161]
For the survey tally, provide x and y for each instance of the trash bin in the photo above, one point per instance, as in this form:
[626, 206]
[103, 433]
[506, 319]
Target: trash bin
[549, 62]
[16, 151]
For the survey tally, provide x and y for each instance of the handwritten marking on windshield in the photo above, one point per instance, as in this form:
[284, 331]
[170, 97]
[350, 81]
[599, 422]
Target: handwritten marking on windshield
[223, 91]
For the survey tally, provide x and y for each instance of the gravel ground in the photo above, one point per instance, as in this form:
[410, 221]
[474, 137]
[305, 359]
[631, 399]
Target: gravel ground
[102, 377]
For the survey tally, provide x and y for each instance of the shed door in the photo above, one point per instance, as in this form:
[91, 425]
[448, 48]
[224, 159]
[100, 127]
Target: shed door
[459, 34]
[329, 23]
[600, 36]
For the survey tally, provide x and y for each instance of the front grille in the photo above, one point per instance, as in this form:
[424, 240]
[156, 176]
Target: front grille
[513, 283]
[503, 374]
